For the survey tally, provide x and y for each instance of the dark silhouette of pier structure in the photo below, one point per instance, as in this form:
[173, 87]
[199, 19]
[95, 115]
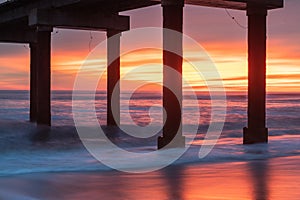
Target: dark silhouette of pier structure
[32, 21]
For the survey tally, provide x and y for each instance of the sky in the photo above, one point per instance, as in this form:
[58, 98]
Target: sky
[223, 39]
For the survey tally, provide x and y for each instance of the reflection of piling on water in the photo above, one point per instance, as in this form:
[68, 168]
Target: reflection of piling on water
[174, 182]
[32, 22]
[259, 174]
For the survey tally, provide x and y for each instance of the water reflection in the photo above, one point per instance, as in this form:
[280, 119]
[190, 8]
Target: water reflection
[174, 182]
[257, 180]
[259, 174]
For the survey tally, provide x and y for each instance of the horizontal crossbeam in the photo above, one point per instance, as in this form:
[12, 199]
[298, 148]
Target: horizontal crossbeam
[9, 35]
[75, 20]
[231, 4]
[270, 4]
[15, 10]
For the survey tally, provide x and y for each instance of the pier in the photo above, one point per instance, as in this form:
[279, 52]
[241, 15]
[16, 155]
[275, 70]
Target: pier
[32, 21]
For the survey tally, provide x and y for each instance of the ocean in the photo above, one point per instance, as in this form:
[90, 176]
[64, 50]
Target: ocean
[21, 153]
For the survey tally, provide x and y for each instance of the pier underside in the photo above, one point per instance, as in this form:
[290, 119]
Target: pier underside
[32, 21]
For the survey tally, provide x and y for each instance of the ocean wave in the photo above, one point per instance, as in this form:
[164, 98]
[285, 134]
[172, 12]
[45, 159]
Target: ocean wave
[62, 151]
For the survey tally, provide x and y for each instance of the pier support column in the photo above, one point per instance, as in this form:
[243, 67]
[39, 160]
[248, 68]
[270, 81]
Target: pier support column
[256, 132]
[113, 77]
[43, 75]
[172, 95]
[33, 83]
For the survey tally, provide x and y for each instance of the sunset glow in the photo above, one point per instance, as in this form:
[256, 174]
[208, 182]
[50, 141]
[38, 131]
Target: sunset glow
[225, 42]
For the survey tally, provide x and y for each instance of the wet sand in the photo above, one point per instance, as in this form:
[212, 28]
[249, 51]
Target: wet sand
[273, 179]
